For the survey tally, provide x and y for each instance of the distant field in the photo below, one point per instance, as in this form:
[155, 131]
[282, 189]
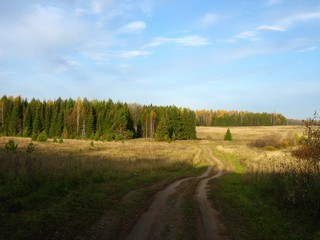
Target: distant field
[247, 133]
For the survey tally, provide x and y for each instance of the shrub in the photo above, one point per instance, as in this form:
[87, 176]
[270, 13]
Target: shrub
[267, 141]
[42, 137]
[228, 136]
[30, 148]
[11, 146]
[310, 143]
[60, 140]
[55, 139]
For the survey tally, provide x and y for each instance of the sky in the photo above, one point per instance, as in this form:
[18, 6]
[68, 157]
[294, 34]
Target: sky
[253, 55]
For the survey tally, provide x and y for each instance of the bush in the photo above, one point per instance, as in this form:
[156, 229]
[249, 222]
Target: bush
[60, 140]
[310, 142]
[42, 137]
[267, 141]
[228, 136]
[55, 139]
[11, 146]
[30, 148]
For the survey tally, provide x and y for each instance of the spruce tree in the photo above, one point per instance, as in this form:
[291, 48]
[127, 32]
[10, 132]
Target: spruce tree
[228, 136]
[27, 123]
[162, 131]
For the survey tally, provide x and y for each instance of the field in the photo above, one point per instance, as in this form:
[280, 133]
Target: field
[62, 189]
[78, 187]
[272, 194]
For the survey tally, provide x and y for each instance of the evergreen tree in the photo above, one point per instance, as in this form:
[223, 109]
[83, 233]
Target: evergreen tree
[47, 115]
[119, 127]
[162, 132]
[27, 128]
[228, 136]
[36, 122]
[15, 124]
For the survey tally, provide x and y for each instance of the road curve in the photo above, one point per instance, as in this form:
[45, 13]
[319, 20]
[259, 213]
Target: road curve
[148, 222]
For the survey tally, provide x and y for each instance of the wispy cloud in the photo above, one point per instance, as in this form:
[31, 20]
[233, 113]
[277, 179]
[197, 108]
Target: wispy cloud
[132, 54]
[252, 35]
[270, 28]
[41, 32]
[300, 17]
[208, 19]
[133, 27]
[246, 35]
[191, 40]
[309, 49]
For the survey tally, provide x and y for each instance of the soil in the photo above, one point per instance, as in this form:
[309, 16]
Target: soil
[164, 218]
[180, 210]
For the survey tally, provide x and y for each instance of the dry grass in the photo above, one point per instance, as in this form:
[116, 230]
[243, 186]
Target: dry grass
[246, 134]
[64, 187]
[276, 194]
[129, 156]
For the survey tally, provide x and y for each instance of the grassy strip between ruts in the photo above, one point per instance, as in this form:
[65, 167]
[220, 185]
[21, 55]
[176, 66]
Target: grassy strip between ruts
[251, 213]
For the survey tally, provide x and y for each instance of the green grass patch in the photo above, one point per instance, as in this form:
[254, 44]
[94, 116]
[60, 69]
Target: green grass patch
[251, 213]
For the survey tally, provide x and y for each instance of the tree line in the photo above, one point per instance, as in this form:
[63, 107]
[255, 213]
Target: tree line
[238, 118]
[95, 119]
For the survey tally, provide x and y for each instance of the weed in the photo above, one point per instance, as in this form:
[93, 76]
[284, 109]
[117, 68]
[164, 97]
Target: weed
[30, 148]
[42, 137]
[11, 146]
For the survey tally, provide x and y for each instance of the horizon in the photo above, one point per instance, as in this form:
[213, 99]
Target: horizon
[255, 56]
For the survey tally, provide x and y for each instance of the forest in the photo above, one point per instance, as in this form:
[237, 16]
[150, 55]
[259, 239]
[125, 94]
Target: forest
[108, 120]
[95, 119]
[238, 118]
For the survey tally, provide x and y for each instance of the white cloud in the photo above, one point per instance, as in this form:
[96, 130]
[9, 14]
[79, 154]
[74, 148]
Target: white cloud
[270, 28]
[133, 27]
[300, 17]
[40, 32]
[248, 35]
[309, 49]
[208, 19]
[132, 54]
[191, 40]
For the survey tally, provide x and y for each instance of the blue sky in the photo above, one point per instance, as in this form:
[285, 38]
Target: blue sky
[255, 55]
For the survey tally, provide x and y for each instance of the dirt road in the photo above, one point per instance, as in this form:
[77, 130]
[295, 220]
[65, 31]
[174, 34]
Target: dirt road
[168, 216]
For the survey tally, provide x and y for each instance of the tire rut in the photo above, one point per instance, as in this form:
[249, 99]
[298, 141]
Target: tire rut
[164, 219]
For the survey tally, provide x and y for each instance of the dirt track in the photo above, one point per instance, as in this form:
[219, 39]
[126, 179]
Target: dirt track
[165, 218]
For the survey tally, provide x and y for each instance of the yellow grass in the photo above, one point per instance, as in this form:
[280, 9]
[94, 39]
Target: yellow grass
[253, 158]
[247, 133]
